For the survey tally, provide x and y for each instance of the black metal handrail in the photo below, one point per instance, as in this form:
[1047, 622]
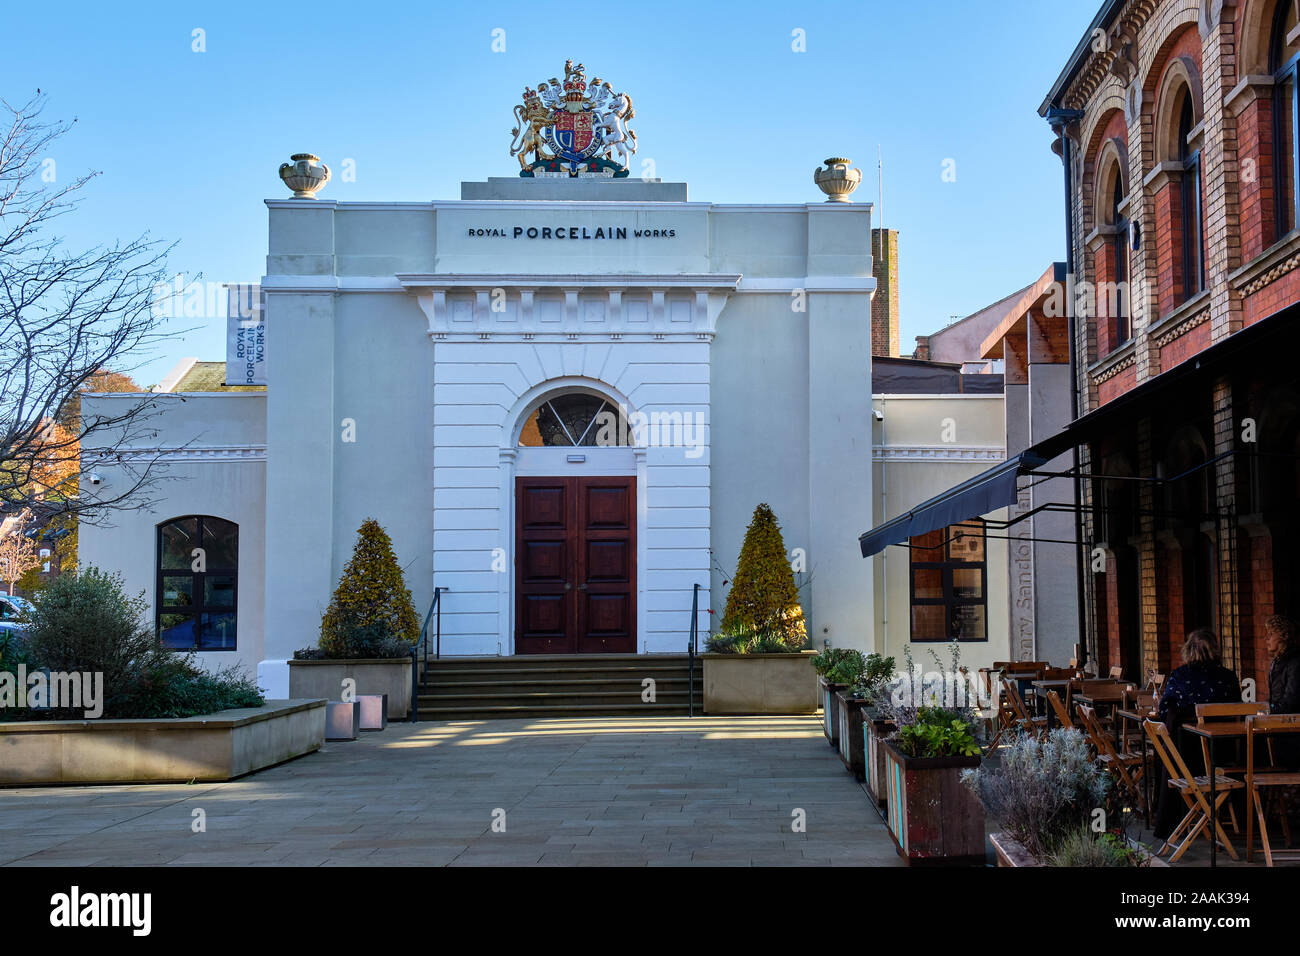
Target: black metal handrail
[418, 668]
[692, 641]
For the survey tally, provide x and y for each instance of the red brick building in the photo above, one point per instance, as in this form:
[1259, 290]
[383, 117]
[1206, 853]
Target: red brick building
[1177, 124]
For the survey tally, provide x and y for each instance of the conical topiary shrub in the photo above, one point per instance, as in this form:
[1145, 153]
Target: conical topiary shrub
[371, 602]
[763, 595]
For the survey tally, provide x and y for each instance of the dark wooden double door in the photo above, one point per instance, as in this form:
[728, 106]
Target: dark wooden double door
[575, 565]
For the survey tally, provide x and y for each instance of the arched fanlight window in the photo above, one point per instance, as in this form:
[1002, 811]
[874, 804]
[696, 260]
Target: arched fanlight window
[575, 419]
[198, 583]
[1193, 237]
[1283, 58]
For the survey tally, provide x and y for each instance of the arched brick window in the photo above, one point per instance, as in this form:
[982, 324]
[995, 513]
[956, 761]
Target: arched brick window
[1121, 318]
[1193, 237]
[1110, 247]
[1283, 59]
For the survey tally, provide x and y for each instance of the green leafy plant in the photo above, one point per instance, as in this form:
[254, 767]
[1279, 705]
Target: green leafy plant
[763, 595]
[848, 669]
[746, 640]
[877, 672]
[825, 660]
[86, 623]
[1082, 847]
[371, 606]
[901, 699]
[938, 733]
[1041, 790]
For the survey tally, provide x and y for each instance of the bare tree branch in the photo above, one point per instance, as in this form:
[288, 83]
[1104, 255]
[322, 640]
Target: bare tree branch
[66, 317]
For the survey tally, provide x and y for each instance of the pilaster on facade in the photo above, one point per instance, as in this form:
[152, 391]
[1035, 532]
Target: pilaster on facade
[1225, 498]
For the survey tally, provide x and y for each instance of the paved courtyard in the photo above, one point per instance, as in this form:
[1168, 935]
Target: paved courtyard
[623, 792]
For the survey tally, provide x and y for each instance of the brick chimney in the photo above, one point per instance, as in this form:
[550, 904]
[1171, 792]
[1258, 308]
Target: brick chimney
[884, 306]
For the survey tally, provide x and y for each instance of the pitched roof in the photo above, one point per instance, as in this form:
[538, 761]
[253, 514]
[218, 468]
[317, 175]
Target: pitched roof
[209, 377]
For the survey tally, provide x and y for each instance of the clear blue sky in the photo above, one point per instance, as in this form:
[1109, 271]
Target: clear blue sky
[189, 143]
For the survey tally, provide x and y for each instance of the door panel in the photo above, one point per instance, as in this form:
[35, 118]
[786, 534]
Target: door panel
[544, 563]
[606, 605]
[575, 565]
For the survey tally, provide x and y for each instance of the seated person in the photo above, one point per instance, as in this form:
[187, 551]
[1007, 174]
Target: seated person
[1202, 679]
[1283, 683]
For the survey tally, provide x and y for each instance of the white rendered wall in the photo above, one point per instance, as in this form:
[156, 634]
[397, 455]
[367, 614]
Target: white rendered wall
[915, 462]
[435, 342]
[210, 457]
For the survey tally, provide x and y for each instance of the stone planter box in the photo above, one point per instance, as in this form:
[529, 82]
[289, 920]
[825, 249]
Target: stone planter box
[391, 676]
[933, 817]
[826, 691]
[849, 712]
[220, 746]
[1011, 852]
[874, 732]
[760, 683]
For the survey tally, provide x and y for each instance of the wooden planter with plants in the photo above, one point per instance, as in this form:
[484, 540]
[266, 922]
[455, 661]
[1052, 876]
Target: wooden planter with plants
[875, 730]
[827, 689]
[1012, 853]
[366, 633]
[933, 817]
[756, 663]
[849, 712]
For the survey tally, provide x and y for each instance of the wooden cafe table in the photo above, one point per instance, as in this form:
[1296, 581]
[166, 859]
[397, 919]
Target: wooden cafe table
[1042, 688]
[1109, 696]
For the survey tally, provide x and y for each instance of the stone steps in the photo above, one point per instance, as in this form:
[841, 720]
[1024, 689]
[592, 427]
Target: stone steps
[557, 686]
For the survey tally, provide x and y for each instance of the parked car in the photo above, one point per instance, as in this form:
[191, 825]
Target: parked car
[11, 607]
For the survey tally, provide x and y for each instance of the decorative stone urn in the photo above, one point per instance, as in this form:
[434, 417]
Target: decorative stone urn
[837, 180]
[305, 175]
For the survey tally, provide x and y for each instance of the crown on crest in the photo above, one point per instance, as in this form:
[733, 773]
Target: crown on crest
[575, 87]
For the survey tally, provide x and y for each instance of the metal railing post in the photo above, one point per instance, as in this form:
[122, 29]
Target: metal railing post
[437, 593]
[690, 647]
[435, 614]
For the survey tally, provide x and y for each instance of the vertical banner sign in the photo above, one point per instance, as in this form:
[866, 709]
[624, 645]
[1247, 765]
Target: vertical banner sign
[245, 336]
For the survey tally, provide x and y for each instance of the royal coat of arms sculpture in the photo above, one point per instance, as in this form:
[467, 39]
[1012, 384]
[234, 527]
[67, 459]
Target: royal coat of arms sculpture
[573, 128]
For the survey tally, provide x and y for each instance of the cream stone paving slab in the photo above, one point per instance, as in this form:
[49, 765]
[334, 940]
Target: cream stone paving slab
[575, 792]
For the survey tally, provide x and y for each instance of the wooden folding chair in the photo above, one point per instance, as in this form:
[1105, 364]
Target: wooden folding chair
[1126, 768]
[1138, 701]
[1220, 713]
[1195, 793]
[1005, 716]
[1032, 724]
[1258, 780]
[1058, 708]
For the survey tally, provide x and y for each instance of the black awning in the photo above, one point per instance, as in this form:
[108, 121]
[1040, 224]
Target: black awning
[1252, 344]
[988, 491]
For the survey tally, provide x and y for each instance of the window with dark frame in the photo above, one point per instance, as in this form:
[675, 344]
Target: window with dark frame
[1123, 321]
[1283, 60]
[197, 585]
[949, 584]
[1190, 201]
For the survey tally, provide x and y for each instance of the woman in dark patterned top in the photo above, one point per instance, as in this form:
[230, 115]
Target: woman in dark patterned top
[1201, 680]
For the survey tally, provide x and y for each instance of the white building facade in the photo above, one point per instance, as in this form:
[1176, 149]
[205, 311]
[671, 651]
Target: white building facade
[446, 368]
